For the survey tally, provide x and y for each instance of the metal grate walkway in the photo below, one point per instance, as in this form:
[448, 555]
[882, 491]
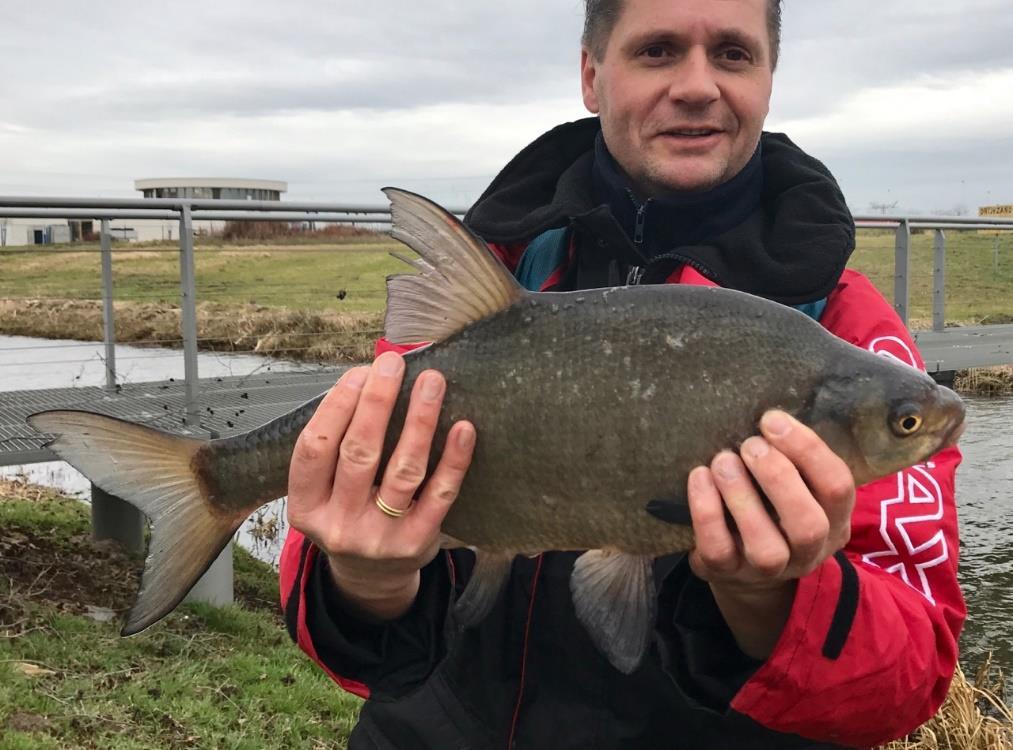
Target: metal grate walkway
[228, 406]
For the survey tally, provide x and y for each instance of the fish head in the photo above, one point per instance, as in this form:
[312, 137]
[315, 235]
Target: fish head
[885, 416]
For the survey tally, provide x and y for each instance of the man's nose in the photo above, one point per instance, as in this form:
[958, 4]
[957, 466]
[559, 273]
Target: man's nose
[694, 82]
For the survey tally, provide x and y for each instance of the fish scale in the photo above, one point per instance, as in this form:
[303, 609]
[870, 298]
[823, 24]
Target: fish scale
[626, 414]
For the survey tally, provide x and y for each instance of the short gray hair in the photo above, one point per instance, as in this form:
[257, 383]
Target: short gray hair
[601, 16]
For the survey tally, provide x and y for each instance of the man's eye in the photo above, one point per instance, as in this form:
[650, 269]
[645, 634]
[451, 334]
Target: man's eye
[736, 55]
[655, 51]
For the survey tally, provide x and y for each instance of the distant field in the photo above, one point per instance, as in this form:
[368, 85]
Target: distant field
[349, 276]
[342, 277]
[976, 287]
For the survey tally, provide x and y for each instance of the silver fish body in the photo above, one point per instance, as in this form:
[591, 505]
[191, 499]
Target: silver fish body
[588, 406]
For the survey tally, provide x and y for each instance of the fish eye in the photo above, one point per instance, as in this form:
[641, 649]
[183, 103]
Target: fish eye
[907, 424]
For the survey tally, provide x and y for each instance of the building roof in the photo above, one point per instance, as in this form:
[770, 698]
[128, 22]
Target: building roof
[210, 182]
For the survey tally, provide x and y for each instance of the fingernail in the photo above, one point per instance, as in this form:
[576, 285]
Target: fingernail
[756, 447]
[466, 438]
[389, 365]
[698, 479]
[432, 386]
[776, 423]
[726, 467]
[356, 378]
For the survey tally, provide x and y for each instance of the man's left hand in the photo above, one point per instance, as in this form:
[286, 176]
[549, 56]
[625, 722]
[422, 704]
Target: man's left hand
[790, 498]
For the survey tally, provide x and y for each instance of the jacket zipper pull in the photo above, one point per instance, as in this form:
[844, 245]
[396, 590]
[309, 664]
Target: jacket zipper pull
[638, 229]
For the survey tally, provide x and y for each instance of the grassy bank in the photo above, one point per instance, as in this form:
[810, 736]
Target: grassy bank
[349, 276]
[323, 301]
[227, 678]
[203, 677]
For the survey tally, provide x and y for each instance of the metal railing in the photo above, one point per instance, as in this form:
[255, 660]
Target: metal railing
[903, 225]
[186, 211]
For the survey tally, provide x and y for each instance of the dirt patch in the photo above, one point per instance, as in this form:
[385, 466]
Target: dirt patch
[44, 563]
[22, 721]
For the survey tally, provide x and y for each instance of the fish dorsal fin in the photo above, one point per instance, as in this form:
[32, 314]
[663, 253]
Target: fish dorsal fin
[613, 595]
[460, 281]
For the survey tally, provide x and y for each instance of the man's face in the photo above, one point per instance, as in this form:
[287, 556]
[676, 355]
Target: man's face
[682, 90]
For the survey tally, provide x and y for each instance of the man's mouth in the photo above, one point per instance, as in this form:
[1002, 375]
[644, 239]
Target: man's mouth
[692, 132]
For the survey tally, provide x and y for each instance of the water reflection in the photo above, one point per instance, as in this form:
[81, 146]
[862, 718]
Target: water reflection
[984, 492]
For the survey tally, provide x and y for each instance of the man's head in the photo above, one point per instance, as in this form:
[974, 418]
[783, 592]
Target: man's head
[682, 86]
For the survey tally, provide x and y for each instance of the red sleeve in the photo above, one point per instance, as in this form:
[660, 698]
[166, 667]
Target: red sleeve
[870, 646]
[298, 557]
[297, 560]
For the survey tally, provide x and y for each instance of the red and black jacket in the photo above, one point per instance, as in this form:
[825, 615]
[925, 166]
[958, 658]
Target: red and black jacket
[870, 645]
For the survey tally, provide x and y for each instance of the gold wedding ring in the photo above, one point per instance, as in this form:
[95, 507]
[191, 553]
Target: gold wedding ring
[390, 511]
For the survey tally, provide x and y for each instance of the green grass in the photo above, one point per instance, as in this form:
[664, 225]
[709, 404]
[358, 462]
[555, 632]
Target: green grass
[976, 289]
[204, 677]
[311, 277]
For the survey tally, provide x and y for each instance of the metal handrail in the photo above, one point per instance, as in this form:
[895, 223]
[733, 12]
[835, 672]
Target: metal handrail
[189, 210]
[195, 204]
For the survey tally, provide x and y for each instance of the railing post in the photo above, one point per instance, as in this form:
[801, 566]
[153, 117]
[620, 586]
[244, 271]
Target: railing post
[939, 283]
[902, 270]
[188, 282]
[108, 325]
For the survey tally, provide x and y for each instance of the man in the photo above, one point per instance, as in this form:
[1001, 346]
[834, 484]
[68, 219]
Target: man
[830, 621]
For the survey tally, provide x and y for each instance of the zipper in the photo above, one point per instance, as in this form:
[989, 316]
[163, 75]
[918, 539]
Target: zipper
[636, 273]
[638, 228]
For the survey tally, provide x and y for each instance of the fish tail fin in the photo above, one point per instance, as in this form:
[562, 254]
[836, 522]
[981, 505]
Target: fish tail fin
[460, 281]
[156, 473]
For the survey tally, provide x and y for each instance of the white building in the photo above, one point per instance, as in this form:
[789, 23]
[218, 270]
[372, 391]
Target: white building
[42, 232]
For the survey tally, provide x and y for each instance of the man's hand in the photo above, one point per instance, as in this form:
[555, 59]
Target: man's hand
[376, 558]
[753, 565]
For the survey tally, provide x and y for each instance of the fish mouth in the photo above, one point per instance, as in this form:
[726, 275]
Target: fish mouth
[954, 433]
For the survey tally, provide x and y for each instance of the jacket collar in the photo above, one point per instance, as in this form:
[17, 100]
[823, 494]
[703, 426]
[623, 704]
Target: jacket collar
[791, 249]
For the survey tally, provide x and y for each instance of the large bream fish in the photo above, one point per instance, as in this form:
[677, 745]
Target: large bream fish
[588, 406]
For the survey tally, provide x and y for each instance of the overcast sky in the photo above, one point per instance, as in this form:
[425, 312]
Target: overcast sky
[905, 100]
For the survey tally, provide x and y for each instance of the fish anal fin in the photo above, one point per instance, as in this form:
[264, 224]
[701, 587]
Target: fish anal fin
[487, 578]
[460, 281]
[613, 595]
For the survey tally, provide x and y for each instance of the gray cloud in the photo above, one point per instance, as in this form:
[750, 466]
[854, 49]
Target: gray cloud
[340, 97]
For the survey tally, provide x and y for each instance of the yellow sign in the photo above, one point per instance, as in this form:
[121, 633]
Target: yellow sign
[997, 211]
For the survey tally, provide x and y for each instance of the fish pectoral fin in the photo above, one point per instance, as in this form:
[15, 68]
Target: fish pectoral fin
[613, 594]
[490, 573]
[670, 510]
[460, 281]
[153, 471]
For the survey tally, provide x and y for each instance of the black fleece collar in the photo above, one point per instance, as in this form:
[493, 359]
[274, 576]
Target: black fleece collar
[664, 223]
[792, 248]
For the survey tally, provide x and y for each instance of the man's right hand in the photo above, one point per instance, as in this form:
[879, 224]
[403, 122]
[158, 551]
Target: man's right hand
[375, 559]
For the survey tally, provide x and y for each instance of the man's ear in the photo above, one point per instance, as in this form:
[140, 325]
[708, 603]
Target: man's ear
[588, 74]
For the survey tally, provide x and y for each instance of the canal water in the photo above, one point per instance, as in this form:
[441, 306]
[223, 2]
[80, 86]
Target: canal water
[984, 481]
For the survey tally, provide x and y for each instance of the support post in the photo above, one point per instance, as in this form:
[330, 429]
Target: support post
[215, 586]
[108, 325]
[902, 270]
[116, 519]
[939, 283]
[188, 282]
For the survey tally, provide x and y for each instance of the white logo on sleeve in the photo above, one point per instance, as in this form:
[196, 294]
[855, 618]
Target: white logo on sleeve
[909, 527]
[894, 348]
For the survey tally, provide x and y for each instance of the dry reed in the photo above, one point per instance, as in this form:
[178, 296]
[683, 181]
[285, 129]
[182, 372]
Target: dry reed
[974, 716]
[324, 337]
